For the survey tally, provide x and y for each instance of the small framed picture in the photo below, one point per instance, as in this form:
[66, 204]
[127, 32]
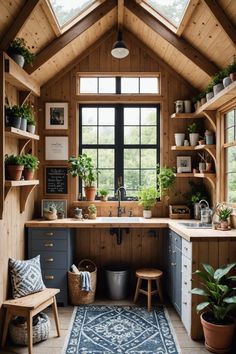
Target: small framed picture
[59, 204]
[56, 115]
[56, 148]
[184, 164]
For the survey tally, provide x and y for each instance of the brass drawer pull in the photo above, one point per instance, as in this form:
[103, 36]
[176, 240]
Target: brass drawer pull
[49, 277]
[48, 244]
[49, 233]
[49, 259]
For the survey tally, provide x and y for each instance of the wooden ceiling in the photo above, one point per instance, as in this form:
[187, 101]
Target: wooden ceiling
[205, 42]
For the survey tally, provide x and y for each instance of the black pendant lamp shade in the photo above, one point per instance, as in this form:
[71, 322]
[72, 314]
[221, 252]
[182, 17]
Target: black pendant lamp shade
[119, 49]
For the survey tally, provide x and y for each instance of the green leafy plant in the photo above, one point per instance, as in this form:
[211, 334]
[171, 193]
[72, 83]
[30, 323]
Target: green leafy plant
[218, 77]
[14, 160]
[209, 88]
[223, 212]
[92, 209]
[19, 46]
[15, 111]
[217, 288]
[103, 192]
[30, 161]
[147, 197]
[192, 128]
[83, 167]
[165, 179]
[231, 68]
[28, 113]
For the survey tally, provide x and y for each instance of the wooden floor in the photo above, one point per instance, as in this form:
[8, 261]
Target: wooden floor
[54, 345]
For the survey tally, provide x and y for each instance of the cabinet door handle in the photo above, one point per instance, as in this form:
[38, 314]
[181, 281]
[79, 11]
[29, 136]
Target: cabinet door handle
[173, 264]
[49, 259]
[185, 265]
[49, 233]
[48, 244]
[49, 277]
[186, 248]
[184, 302]
[185, 283]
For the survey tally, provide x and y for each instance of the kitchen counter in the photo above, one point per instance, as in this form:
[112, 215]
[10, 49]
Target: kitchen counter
[100, 222]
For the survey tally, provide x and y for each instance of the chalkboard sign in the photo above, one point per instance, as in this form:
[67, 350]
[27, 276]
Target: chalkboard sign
[56, 180]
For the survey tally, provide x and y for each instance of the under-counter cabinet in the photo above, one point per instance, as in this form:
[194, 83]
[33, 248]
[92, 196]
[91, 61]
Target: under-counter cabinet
[186, 296]
[55, 247]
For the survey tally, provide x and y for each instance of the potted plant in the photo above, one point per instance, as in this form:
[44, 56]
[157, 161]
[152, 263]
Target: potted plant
[50, 213]
[14, 167]
[226, 80]
[209, 92]
[82, 166]
[231, 70]
[20, 53]
[193, 135]
[165, 179]
[92, 211]
[14, 114]
[218, 326]
[147, 197]
[29, 115]
[31, 164]
[217, 82]
[179, 139]
[224, 213]
[103, 194]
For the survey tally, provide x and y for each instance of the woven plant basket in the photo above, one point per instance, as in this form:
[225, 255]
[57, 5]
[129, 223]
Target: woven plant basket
[78, 296]
[41, 330]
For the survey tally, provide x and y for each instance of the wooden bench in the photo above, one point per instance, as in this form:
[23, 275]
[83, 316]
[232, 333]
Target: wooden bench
[29, 306]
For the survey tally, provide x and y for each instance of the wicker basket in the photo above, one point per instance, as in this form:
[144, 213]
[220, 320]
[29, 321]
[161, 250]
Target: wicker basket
[78, 296]
[41, 330]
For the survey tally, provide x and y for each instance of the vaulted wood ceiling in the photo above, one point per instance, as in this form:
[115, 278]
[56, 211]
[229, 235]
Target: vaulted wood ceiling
[204, 43]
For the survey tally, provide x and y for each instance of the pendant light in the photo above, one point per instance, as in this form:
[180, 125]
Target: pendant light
[119, 49]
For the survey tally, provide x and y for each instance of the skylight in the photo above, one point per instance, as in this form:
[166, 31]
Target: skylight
[171, 10]
[66, 10]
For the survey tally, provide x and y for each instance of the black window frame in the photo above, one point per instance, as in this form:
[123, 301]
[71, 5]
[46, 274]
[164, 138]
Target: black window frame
[119, 145]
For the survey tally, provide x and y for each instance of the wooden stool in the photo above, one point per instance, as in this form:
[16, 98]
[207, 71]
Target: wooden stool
[29, 306]
[148, 274]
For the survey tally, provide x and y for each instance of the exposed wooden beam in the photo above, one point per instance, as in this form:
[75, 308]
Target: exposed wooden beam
[120, 13]
[59, 43]
[17, 23]
[179, 43]
[222, 18]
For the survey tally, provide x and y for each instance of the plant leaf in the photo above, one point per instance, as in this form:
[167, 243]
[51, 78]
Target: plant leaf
[209, 269]
[221, 272]
[198, 291]
[223, 288]
[202, 306]
[232, 277]
[230, 300]
[201, 275]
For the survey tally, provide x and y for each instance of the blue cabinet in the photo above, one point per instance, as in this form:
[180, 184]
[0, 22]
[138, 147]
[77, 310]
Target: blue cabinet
[55, 247]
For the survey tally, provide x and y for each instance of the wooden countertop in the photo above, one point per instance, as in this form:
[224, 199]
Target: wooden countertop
[186, 233]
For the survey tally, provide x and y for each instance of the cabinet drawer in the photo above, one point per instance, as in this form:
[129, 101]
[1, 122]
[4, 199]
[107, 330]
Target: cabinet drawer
[50, 245]
[52, 260]
[55, 278]
[176, 240]
[187, 248]
[186, 266]
[186, 312]
[48, 233]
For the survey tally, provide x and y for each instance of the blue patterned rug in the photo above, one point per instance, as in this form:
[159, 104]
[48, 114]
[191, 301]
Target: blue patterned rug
[120, 330]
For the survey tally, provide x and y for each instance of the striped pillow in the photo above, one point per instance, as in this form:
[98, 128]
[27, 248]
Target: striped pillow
[26, 277]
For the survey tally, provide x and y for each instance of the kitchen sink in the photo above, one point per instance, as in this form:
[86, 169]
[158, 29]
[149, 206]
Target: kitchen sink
[121, 219]
[195, 225]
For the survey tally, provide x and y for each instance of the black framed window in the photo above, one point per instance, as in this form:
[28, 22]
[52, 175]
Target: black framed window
[123, 142]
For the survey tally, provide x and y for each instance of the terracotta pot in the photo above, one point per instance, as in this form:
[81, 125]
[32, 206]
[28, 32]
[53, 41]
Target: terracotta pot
[218, 338]
[224, 224]
[14, 172]
[28, 174]
[233, 76]
[90, 193]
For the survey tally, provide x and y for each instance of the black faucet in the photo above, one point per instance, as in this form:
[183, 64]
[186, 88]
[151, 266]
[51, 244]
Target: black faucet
[118, 193]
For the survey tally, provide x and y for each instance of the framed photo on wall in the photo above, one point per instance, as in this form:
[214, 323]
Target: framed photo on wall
[59, 204]
[56, 115]
[184, 164]
[56, 148]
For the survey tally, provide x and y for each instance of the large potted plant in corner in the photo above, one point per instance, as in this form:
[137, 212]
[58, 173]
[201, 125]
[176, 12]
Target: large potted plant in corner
[20, 52]
[14, 167]
[31, 164]
[83, 167]
[218, 326]
[147, 197]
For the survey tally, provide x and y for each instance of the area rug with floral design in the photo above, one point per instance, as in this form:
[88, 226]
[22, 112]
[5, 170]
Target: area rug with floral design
[119, 330]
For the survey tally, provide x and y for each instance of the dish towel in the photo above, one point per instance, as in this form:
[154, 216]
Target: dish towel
[85, 281]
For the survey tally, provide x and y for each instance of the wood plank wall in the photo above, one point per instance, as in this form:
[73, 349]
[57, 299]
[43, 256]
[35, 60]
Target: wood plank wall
[12, 234]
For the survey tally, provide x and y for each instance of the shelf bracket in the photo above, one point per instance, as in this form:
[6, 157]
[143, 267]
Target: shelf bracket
[24, 195]
[7, 191]
[211, 116]
[212, 181]
[22, 144]
[212, 152]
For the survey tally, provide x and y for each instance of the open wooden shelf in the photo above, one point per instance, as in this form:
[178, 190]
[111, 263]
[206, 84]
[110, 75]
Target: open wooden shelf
[20, 134]
[19, 78]
[211, 149]
[26, 188]
[185, 116]
[211, 177]
[183, 148]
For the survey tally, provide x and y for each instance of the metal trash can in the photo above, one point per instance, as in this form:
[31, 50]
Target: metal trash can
[117, 281]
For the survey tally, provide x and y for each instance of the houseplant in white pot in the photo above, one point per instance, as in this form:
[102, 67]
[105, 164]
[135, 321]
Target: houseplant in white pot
[20, 52]
[224, 213]
[193, 135]
[147, 197]
[218, 326]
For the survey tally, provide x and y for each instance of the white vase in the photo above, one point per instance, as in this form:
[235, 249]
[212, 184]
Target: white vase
[227, 81]
[209, 96]
[187, 106]
[147, 214]
[217, 88]
[193, 138]
[179, 139]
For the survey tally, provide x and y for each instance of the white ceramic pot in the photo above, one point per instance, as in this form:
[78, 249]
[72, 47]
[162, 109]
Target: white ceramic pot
[209, 96]
[19, 59]
[147, 214]
[227, 81]
[31, 128]
[209, 139]
[187, 106]
[217, 88]
[193, 138]
[202, 166]
[179, 139]
[23, 124]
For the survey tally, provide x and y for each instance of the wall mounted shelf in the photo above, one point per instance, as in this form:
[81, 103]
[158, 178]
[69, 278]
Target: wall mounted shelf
[211, 149]
[211, 177]
[26, 188]
[23, 136]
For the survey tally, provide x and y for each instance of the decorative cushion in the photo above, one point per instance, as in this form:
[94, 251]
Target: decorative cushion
[26, 277]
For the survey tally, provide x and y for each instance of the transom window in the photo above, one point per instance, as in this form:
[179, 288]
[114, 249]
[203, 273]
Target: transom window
[119, 85]
[230, 155]
[123, 142]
